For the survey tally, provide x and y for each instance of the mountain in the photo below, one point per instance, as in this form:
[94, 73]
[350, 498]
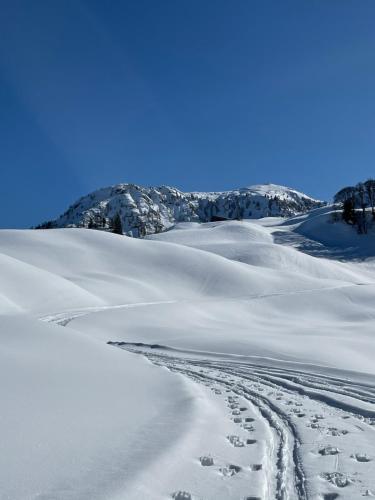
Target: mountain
[152, 210]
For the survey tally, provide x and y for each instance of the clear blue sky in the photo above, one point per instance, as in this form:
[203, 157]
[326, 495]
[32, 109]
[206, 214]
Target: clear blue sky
[199, 94]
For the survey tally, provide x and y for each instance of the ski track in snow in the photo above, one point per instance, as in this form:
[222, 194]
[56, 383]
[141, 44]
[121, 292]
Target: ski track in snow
[293, 404]
[312, 418]
[65, 317]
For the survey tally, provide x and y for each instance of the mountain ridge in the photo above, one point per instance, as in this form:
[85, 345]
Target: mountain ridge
[148, 210]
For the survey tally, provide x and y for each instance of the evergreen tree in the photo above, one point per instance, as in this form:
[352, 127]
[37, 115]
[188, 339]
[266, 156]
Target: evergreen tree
[370, 191]
[348, 213]
[116, 224]
[361, 221]
[344, 194]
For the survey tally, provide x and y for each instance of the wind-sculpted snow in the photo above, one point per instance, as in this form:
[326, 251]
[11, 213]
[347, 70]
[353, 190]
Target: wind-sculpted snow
[269, 387]
[79, 268]
[72, 424]
[146, 211]
[323, 233]
[254, 243]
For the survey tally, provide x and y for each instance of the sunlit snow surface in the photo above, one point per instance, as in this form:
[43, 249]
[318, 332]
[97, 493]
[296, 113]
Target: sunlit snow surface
[260, 382]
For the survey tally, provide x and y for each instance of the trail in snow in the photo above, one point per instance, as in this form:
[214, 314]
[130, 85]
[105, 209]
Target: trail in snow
[65, 317]
[322, 426]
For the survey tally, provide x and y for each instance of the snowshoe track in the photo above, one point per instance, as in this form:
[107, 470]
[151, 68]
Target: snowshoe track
[289, 401]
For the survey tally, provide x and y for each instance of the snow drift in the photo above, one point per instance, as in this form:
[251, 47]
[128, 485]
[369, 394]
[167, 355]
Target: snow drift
[81, 419]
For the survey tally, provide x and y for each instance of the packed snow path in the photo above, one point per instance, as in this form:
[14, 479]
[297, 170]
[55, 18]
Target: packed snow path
[321, 443]
[64, 318]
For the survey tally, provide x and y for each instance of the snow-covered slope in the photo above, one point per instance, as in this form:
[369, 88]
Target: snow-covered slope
[151, 210]
[95, 268]
[72, 425]
[274, 326]
[322, 232]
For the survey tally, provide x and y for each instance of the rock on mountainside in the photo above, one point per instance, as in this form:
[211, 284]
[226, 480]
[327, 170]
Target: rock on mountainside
[151, 210]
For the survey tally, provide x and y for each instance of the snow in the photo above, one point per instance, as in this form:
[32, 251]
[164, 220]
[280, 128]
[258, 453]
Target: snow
[261, 310]
[72, 425]
[281, 192]
[340, 237]
[144, 211]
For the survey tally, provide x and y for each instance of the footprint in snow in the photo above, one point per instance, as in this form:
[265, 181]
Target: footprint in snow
[230, 470]
[361, 457]
[236, 441]
[249, 427]
[314, 425]
[182, 495]
[298, 412]
[206, 461]
[336, 478]
[329, 450]
[333, 431]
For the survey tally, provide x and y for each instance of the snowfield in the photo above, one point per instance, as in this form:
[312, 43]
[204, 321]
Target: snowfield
[215, 361]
